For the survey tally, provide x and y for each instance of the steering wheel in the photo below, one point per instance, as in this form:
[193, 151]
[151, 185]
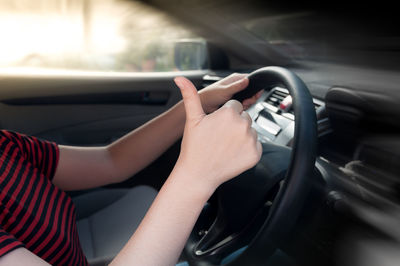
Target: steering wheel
[258, 209]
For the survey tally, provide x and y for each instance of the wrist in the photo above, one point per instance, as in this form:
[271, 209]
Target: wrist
[192, 182]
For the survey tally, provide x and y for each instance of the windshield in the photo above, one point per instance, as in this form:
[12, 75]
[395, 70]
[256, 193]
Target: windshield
[327, 36]
[105, 35]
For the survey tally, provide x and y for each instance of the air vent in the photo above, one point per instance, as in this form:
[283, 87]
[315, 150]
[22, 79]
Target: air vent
[277, 96]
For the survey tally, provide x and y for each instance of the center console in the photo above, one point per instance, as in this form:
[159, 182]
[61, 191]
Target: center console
[273, 116]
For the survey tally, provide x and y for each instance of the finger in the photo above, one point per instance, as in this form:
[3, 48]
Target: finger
[258, 94]
[239, 85]
[246, 116]
[236, 105]
[250, 101]
[232, 78]
[254, 98]
[191, 99]
[247, 103]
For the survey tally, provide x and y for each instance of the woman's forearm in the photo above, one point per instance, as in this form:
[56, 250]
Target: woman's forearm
[138, 149]
[88, 167]
[163, 232]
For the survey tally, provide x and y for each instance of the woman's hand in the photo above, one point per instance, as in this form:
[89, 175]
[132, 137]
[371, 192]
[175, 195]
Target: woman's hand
[218, 146]
[215, 148]
[218, 93]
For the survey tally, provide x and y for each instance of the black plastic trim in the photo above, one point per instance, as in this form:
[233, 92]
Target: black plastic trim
[136, 97]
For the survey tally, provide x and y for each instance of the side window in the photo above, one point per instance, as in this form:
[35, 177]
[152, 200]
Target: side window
[94, 35]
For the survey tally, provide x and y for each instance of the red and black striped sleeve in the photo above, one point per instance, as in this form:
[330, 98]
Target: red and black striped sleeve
[8, 243]
[42, 154]
[33, 212]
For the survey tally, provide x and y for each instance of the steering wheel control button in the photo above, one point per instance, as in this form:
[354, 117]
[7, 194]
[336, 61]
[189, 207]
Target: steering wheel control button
[270, 107]
[288, 115]
[286, 103]
[259, 107]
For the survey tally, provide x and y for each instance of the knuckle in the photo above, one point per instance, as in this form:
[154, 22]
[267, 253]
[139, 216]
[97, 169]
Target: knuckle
[228, 111]
[254, 133]
[247, 122]
[234, 74]
[233, 101]
[245, 126]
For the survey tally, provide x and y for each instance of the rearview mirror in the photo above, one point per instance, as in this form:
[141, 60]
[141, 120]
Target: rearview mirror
[191, 55]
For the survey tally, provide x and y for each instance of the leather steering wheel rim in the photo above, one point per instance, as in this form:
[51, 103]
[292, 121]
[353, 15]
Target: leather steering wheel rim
[287, 205]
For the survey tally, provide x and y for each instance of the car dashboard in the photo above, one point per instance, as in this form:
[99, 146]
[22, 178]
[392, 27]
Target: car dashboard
[356, 191]
[273, 115]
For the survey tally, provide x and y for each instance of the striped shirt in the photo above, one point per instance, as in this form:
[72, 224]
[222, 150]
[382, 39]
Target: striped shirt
[34, 213]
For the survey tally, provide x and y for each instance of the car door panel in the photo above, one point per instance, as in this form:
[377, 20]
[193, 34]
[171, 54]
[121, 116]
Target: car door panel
[85, 109]
[57, 122]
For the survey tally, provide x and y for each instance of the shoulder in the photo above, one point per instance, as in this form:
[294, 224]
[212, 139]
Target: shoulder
[10, 145]
[40, 154]
[8, 138]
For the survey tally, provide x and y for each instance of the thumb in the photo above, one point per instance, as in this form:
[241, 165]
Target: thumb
[191, 99]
